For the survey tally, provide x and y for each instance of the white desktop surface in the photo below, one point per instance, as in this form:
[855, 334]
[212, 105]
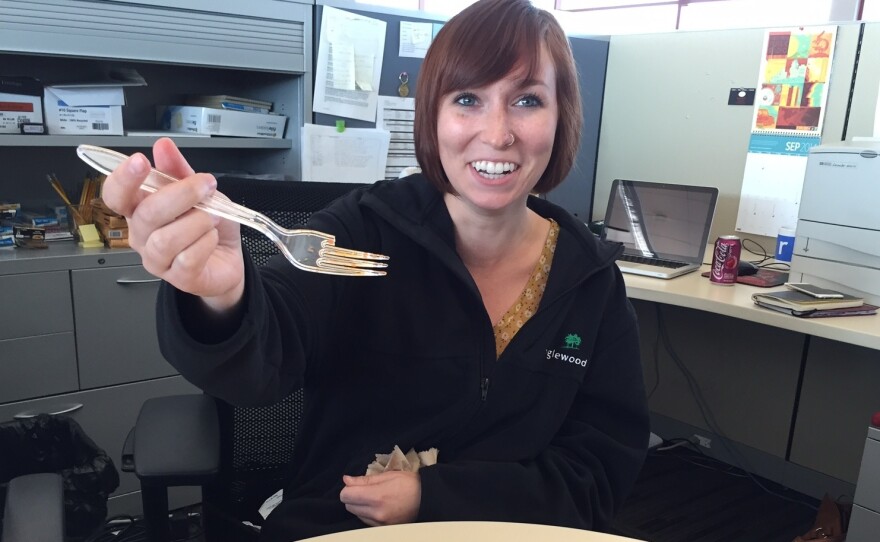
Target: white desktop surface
[468, 531]
[697, 292]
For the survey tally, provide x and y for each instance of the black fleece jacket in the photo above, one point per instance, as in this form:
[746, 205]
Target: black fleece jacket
[553, 432]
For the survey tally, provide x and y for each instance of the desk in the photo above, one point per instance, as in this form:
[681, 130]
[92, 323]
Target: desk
[468, 531]
[793, 395]
[697, 292]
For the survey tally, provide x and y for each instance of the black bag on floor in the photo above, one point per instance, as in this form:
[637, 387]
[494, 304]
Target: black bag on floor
[58, 444]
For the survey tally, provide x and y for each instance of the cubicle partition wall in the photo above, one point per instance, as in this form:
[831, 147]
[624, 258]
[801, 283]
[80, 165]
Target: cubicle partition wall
[789, 406]
[591, 54]
[666, 115]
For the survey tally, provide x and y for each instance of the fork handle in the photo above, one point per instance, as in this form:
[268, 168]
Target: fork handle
[215, 205]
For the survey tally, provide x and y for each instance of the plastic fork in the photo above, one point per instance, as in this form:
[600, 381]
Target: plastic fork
[309, 250]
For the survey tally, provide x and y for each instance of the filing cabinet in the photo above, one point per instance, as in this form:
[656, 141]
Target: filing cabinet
[79, 338]
[865, 521]
[78, 326]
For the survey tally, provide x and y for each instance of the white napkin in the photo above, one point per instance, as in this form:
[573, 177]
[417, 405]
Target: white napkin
[411, 461]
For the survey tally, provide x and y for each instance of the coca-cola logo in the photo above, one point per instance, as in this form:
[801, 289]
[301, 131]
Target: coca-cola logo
[722, 259]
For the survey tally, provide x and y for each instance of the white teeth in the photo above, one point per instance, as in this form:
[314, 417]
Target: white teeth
[494, 168]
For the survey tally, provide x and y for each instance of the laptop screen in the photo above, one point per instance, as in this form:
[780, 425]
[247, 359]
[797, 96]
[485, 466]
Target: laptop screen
[660, 220]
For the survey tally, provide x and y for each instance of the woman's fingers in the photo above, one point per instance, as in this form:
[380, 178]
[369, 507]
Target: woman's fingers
[169, 160]
[121, 189]
[174, 241]
[172, 201]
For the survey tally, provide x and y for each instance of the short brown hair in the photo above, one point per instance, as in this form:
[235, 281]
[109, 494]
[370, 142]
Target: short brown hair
[481, 45]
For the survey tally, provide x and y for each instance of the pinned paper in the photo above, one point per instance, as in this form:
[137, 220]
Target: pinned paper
[348, 64]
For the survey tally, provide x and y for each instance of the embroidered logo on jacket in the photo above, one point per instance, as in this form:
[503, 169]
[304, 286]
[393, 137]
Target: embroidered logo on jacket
[572, 342]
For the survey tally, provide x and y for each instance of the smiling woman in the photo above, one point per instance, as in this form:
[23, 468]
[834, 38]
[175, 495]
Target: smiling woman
[530, 388]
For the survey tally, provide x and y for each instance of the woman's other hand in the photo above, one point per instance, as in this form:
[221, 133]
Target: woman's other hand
[387, 498]
[192, 250]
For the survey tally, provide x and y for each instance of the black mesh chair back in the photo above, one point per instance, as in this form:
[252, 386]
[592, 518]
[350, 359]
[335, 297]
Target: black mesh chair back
[288, 203]
[257, 443]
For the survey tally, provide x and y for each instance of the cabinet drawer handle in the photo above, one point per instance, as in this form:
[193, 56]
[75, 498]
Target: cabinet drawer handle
[62, 409]
[137, 281]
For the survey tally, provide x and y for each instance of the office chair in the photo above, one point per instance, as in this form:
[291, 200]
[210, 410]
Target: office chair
[241, 453]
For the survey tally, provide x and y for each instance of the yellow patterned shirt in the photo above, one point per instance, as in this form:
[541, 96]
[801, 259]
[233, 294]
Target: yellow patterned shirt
[517, 315]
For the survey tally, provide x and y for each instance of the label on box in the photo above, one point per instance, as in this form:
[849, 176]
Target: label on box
[223, 122]
[75, 119]
[16, 110]
[28, 232]
[84, 111]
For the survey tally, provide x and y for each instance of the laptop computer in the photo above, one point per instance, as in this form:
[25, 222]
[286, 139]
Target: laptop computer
[664, 227]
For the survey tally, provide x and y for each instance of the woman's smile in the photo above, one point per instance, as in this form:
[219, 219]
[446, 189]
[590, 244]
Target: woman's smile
[493, 170]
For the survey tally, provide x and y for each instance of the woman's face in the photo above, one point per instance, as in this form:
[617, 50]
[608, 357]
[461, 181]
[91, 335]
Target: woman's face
[474, 129]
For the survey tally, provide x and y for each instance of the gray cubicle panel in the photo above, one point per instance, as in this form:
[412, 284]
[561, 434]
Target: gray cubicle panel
[575, 194]
[666, 115]
[591, 54]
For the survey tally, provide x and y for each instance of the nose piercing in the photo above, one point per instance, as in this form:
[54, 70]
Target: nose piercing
[511, 141]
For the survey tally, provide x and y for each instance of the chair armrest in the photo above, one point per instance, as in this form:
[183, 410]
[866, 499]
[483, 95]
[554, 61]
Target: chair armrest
[176, 441]
[34, 509]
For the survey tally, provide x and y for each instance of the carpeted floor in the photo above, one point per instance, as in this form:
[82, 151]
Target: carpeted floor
[682, 496]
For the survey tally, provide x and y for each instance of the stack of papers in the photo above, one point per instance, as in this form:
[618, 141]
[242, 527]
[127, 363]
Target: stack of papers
[235, 103]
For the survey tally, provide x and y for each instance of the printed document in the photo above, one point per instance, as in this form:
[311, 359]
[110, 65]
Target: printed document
[349, 64]
[356, 155]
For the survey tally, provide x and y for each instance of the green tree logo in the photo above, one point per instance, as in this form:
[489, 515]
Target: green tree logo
[572, 341]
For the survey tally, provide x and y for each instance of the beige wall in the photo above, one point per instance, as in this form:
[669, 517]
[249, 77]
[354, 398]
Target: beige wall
[665, 116]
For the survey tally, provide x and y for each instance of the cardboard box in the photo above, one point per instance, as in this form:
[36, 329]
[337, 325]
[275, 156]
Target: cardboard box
[84, 110]
[221, 122]
[18, 108]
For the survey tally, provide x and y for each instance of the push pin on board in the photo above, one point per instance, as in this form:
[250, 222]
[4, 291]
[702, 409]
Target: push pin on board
[340, 126]
[403, 89]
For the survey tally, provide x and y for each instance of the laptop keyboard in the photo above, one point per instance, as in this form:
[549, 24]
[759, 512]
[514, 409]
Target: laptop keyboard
[652, 261]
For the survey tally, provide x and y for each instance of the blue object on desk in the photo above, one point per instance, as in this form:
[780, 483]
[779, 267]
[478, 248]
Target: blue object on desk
[784, 244]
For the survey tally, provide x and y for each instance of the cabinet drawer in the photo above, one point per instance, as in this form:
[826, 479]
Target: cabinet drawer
[35, 304]
[37, 366]
[115, 312]
[868, 488]
[106, 415]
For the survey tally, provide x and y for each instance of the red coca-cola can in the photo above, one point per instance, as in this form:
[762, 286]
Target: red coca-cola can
[725, 260]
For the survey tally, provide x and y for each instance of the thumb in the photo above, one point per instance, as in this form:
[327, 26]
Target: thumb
[357, 480]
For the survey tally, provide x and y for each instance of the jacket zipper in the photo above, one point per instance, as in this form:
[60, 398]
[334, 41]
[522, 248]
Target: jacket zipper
[484, 388]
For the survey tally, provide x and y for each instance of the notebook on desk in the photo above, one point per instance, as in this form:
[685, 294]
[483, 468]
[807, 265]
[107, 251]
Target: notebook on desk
[664, 227]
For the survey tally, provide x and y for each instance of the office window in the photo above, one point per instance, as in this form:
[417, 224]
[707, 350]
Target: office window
[445, 7]
[659, 18]
[605, 17]
[397, 4]
[697, 14]
[871, 10]
[753, 13]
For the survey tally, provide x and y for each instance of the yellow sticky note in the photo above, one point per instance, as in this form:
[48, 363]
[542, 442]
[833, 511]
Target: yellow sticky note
[89, 237]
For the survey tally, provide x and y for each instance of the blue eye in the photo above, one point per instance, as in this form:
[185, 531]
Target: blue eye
[466, 99]
[530, 101]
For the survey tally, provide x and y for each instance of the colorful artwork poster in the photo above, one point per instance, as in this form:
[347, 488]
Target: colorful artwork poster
[793, 80]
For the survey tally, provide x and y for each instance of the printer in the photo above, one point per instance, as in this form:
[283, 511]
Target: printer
[837, 243]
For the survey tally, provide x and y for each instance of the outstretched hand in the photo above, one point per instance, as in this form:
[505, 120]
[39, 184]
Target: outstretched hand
[388, 498]
[192, 250]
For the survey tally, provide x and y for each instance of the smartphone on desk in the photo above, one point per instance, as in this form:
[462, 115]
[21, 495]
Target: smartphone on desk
[813, 290]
